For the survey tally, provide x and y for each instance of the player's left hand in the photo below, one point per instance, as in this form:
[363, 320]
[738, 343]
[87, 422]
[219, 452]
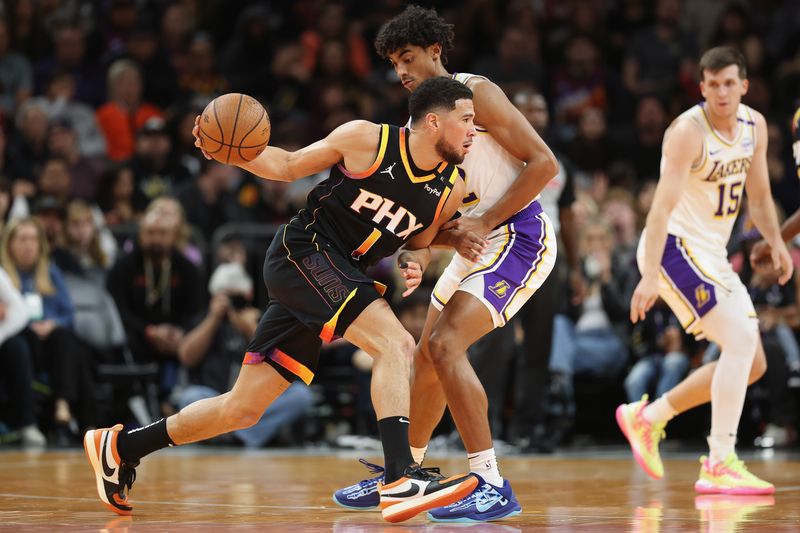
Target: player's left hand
[412, 273]
[198, 142]
[466, 224]
[782, 263]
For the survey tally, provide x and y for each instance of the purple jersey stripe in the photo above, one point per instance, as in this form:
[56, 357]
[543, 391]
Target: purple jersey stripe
[697, 291]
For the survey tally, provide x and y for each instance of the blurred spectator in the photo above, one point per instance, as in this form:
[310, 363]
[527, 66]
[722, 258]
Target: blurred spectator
[517, 63]
[24, 255]
[29, 144]
[213, 352]
[202, 82]
[245, 60]
[593, 342]
[590, 150]
[643, 151]
[207, 200]
[69, 55]
[733, 27]
[124, 114]
[157, 170]
[157, 290]
[120, 18]
[580, 83]
[180, 124]
[83, 242]
[5, 200]
[161, 82]
[16, 77]
[624, 20]
[176, 23]
[16, 365]
[261, 200]
[661, 58]
[332, 24]
[28, 34]
[115, 195]
[61, 107]
[660, 347]
[537, 316]
[85, 172]
[290, 94]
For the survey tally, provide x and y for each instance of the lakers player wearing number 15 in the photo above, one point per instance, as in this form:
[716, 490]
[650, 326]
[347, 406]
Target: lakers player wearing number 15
[712, 154]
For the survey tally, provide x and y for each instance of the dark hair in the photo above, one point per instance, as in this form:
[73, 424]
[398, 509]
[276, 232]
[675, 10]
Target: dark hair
[720, 57]
[415, 26]
[437, 92]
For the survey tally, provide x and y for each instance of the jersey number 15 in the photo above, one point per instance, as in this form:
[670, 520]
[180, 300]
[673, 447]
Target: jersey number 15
[730, 196]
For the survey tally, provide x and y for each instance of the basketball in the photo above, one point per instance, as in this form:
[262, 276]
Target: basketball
[234, 128]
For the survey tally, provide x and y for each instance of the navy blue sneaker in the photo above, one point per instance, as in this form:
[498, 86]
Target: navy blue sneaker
[363, 495]
[484, 504]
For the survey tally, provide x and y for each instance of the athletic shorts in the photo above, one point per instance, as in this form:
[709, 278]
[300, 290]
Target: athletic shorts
[694, 280]
[520, 256]
[315, 293]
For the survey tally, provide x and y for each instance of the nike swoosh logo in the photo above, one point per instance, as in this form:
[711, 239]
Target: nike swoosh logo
[485, 506]
[714, 152]
[107, 470]
[413, 491]
[404, 421]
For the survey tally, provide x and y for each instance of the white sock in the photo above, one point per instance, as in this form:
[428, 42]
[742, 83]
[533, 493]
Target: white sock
[418, 454]
[659, 411]
[721, 447]
[485, 464]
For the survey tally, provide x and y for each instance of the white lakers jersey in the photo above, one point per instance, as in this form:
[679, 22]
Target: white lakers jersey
[490, 169]
[708, 206]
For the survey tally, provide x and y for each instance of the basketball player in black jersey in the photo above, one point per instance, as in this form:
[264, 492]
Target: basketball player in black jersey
[388, 188]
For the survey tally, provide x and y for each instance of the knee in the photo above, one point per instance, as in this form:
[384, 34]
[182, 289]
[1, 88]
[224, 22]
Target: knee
[239, 413]
[441, 350]
[400, 346]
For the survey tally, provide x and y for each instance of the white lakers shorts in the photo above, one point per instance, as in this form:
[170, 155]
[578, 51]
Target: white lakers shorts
[520, 256]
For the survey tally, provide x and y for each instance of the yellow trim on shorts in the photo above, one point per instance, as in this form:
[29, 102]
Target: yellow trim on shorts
[682, 299]
[534, 269]
[696, 263]
[329, 327]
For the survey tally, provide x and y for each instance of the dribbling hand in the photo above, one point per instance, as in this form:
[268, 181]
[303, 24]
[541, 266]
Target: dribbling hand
[198, 142]
[412, 273]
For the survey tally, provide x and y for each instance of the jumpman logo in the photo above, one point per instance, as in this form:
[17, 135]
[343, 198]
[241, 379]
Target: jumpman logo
[388, 170]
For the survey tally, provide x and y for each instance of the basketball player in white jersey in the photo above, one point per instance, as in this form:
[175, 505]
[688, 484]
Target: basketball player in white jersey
[507, 170]
[712, 154]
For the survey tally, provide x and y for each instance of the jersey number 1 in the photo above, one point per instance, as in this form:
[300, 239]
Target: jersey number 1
[732, 197]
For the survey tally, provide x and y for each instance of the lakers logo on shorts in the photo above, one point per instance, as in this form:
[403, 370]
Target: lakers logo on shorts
[701, 295]
[500, 288]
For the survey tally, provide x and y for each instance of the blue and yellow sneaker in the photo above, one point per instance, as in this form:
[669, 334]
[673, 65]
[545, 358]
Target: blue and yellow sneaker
[484, 504]
[363, 495]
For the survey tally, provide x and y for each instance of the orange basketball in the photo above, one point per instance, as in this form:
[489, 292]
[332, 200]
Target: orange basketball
[234, 128]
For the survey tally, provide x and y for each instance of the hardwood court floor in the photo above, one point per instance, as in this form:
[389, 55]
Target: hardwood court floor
[203, 489]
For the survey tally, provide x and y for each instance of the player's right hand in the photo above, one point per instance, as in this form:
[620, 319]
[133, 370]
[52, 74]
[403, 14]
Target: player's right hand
[198, 142]
[643, 298]
[760, 253]
[469, 244]
[412, 273]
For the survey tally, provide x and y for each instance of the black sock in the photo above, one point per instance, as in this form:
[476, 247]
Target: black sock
[134, 444]
[396, 452]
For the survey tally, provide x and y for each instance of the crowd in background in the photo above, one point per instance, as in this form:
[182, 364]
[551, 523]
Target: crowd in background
[136, 262]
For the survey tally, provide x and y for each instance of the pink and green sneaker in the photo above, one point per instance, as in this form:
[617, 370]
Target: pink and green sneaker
[730, 477]
[642, 436]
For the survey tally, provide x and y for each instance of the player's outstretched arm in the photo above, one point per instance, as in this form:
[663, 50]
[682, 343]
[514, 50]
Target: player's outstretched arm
[513, 132]
[761, 205]
[355, 143]
[683, 144]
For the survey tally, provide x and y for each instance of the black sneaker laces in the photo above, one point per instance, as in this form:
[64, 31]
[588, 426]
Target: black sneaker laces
[424, 474]
[127, 475]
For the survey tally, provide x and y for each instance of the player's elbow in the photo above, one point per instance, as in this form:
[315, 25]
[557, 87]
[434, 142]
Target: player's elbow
[546, 164]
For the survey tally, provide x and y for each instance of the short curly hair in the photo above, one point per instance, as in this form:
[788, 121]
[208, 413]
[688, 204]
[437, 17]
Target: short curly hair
[415, 26]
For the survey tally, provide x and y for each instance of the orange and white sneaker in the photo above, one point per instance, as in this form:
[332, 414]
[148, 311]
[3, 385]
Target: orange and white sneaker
[421, 490]
[643, 436]
[114, 476]
[729, 477]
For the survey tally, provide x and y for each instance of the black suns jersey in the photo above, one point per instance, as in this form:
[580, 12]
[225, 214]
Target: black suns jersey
[369, 215]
